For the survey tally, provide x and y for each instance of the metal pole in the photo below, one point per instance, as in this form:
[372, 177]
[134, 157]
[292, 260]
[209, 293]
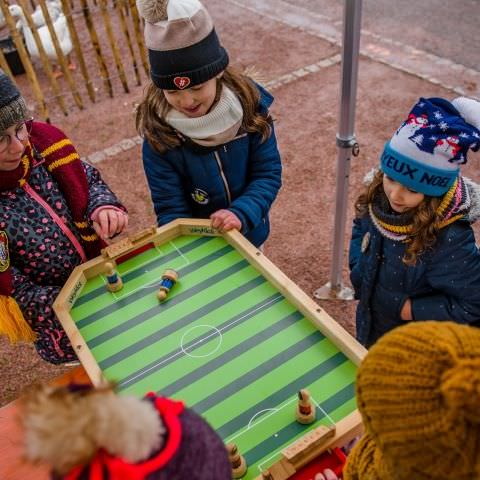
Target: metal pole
[346, 143]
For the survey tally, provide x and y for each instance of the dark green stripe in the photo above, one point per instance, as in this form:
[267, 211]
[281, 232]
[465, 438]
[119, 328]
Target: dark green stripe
[170, 357]
[262, 369]
[295, 428]
[236, 351]
[281, 395]
[186, 320]
[143, 292]
[151, 265]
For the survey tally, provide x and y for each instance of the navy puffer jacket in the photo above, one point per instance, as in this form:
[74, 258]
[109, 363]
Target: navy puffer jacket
[243, 175]
[444, 284]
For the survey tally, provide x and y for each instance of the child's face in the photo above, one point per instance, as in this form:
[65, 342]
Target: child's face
[401, 198]
[195, 101]
[13, 142]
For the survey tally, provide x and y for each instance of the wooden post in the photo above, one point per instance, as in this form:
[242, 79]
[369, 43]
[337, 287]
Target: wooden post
[78, 50]
[60, 55]
[96, 46]
[113, 45]
[32, 77]
[43, 56]
[120, 5]
[4, 66]
[139, 36]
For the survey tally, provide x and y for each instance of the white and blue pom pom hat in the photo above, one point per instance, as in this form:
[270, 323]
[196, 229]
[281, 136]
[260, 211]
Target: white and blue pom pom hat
[426, 152]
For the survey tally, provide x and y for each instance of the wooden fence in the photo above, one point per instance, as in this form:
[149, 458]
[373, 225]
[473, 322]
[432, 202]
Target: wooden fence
[102, 38]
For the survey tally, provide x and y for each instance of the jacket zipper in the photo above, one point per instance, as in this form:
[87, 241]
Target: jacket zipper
[30, 191]
[222, 174]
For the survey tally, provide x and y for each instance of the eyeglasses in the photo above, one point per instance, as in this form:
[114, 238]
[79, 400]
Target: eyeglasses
[22, 131]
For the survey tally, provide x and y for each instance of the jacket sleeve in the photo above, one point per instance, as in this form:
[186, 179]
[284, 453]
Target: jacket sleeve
[265, 179]
[100, 194]
[454, 274]
[166, 187]
[355, 249]
[35, 302]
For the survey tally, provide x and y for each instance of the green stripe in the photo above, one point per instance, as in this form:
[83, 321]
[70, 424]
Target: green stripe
[233, 353]
[122, 302]
[201, 341]
[293, 430]
[276, 398]
[154, 260]
[140, 345]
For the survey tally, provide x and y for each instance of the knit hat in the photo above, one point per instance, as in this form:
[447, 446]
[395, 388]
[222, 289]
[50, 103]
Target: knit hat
[12, 105]
[418, 391]
[425, 152]
[183, 47]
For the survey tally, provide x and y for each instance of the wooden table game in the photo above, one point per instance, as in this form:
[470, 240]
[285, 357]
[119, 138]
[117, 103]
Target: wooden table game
[235, 339]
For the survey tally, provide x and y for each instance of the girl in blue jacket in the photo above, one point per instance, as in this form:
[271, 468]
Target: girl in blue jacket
[413, 254]
[210, 149]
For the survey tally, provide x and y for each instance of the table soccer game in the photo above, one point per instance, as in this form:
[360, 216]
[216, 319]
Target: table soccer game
[204, 317]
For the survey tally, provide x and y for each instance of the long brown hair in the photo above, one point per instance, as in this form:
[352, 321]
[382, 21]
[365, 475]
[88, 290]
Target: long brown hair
[150, 114]
[425, 219]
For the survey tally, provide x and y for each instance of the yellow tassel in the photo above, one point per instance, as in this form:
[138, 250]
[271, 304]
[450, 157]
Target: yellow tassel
[12, 322]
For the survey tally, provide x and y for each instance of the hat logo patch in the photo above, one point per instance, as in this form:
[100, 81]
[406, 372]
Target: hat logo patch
[200, 196]
[181, 82]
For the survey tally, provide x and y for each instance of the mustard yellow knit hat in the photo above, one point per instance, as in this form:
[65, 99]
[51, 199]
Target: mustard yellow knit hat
[418, 391]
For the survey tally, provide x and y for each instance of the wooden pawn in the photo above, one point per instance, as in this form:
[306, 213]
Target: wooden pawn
[239, 466]
[114, 282]
[305, 412]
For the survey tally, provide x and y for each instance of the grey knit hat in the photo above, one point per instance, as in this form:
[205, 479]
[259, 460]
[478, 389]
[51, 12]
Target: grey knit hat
[12, 105]
[183, 47]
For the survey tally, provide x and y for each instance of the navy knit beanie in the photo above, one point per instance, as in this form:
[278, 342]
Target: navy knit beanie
[183, 47]
[12, 105]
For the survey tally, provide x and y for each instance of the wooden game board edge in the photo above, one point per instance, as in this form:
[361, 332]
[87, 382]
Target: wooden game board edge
[346, 429]
[295, 295]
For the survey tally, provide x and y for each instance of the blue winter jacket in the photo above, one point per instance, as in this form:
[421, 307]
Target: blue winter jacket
[444, 284]
[243, 175]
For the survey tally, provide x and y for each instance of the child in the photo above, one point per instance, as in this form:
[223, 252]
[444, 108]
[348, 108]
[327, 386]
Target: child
[418, 391]
[210, 149]
[87, 434]
[53, 209]
[413, 254]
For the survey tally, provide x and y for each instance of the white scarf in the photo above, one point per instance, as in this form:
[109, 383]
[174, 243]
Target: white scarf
[218, 126]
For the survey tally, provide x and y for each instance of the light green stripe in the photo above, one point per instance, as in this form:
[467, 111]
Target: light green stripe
[171, 343]
[324, 388]
[152, 276]
[150, 326]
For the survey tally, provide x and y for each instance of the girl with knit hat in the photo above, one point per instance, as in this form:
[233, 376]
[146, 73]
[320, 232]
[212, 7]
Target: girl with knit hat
[413, 254]
[55, 213]
[93, 434]
[210, 149]
[418, 391]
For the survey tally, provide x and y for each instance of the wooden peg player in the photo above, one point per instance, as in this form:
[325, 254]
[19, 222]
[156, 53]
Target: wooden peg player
[114, 282]
[239, 466]
[169, 279]
[305, 412]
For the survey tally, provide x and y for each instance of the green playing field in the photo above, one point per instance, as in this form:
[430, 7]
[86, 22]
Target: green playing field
[225, 341]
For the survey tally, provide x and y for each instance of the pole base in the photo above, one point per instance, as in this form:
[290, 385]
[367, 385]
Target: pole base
[337, 293]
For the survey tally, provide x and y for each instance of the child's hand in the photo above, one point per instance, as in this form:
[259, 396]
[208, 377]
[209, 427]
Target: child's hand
[327, 474]
[406, 311]
[109, 222]
[225, 220]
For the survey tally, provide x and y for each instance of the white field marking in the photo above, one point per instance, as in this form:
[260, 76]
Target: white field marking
[179, 351]
[250, 425]
[155, 283]
[216, 331]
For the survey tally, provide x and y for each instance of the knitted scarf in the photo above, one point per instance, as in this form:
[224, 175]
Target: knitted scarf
[398, 227]
[220, 125]
[63, 162]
